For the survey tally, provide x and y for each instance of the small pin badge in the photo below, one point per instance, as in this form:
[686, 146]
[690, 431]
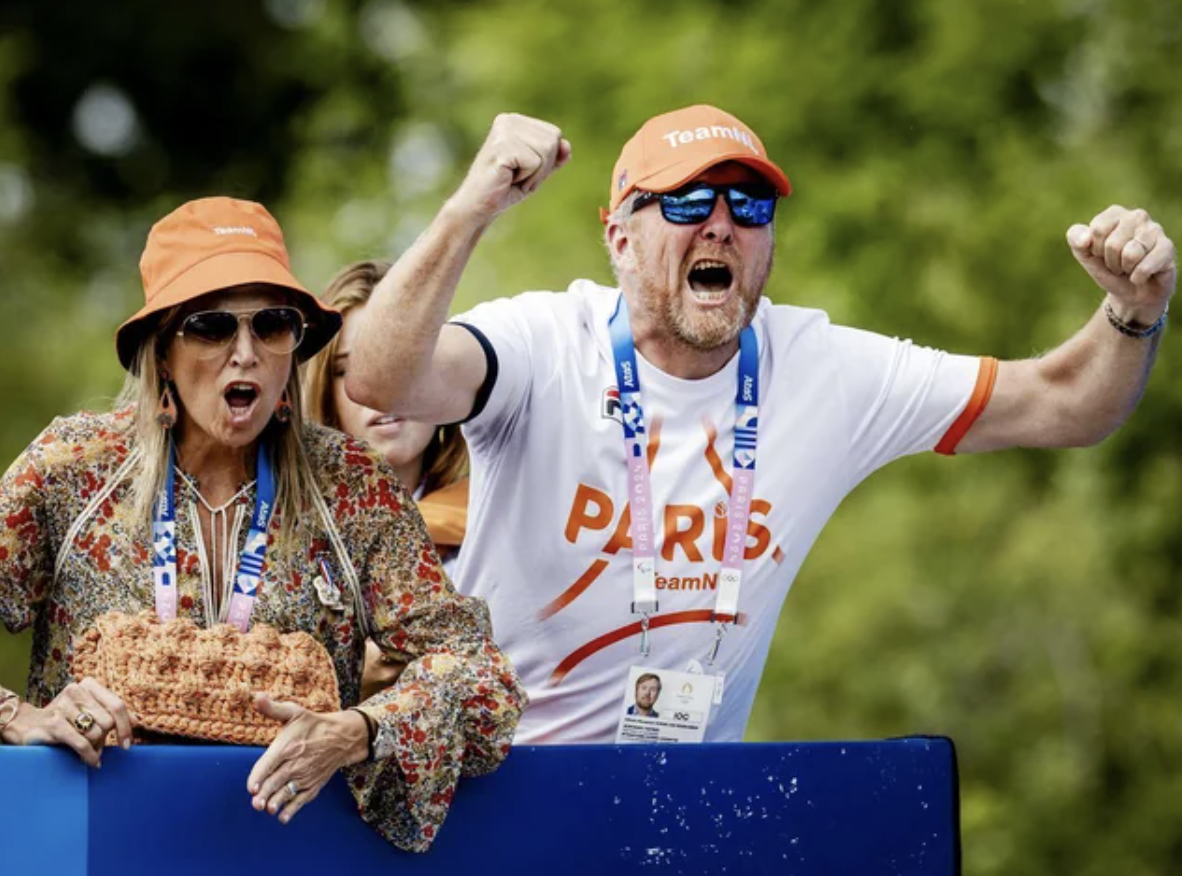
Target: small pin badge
[326, 591]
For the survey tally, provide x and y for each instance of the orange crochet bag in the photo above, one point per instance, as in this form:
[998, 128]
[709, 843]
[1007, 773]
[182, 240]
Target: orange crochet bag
[184, 680]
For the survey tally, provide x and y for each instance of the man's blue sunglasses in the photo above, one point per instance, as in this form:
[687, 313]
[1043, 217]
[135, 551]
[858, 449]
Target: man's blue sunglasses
[751, 205]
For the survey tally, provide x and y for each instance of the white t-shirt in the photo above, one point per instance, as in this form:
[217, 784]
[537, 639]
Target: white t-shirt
[546, 546]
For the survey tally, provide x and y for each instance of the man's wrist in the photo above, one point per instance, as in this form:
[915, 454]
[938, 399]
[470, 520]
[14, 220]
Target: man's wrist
[1133, 328]
[1133, 315]
[460, 218]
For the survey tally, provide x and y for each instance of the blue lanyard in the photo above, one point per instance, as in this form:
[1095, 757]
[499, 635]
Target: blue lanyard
[250, 564]
[644, 594]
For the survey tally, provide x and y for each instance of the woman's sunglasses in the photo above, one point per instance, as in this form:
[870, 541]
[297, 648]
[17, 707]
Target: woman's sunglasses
[751, 205]
[278, 329]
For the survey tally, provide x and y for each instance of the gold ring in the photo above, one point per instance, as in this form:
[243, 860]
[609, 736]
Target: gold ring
[83, 721]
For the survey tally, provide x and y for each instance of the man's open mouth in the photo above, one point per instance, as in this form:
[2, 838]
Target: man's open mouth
[710, 280]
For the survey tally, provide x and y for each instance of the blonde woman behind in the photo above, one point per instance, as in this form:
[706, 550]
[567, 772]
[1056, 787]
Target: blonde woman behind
[431, 461]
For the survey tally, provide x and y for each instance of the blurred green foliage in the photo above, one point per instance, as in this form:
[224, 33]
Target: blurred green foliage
[1026, 604]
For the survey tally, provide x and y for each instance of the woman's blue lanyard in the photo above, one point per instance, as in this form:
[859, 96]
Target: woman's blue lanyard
[644, 592]
[250, 564]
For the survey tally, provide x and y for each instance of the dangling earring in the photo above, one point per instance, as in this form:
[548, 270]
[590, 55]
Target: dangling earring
[166, 407]
[283, 408]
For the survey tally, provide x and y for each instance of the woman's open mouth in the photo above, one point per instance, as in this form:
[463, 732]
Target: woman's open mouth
[241, 398]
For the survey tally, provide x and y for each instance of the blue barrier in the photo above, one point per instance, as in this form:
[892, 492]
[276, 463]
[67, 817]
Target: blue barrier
[812, 808]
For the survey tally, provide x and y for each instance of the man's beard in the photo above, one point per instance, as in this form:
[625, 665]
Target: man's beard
[702, 330]
[709, 330]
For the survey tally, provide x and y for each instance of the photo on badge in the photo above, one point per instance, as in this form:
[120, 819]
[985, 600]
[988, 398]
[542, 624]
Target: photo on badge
[645, 695]
[660, 706]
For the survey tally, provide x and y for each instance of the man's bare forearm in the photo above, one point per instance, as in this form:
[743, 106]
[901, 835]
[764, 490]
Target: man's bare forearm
[393, 365]
[1095, 382]
[406, 362]
[1084, 390]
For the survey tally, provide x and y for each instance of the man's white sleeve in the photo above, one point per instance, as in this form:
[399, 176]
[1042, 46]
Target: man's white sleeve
[504, 330]
[902, 398]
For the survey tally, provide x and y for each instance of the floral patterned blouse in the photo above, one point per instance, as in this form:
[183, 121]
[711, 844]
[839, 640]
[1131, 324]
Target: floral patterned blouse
[453, 710]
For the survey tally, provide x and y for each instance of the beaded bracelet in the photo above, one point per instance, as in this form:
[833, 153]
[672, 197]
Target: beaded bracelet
[1139, 333]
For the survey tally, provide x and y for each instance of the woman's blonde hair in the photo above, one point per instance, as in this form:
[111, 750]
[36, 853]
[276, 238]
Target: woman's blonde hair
[294, 482]
[445, 460]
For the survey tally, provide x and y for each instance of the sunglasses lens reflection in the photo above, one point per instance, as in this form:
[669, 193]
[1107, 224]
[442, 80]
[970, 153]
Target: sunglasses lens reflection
[751, 207]
[691, 208]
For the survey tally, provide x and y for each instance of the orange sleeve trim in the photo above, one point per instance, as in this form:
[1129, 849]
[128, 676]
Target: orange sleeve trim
[982, 392]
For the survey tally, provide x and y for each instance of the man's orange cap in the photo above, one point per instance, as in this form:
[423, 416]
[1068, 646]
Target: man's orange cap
[671, 149]
[211, 244]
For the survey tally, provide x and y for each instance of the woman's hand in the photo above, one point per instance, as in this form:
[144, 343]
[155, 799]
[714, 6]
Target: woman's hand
[304, 756]
[80, 717]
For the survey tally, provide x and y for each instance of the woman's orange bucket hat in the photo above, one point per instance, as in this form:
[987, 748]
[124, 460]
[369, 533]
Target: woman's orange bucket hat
[211, 244]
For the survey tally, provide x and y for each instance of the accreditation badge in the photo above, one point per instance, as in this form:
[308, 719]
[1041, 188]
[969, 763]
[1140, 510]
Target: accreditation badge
[662, 706]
